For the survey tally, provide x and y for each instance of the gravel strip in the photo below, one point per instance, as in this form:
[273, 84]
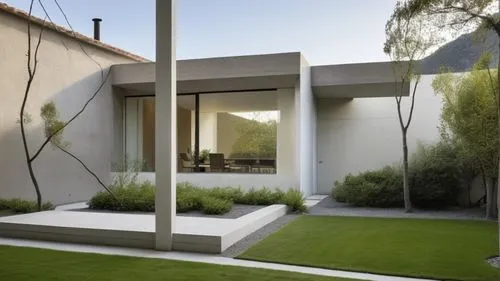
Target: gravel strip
[329, 207]
[236, 212]
[259, 235]
[495, 262]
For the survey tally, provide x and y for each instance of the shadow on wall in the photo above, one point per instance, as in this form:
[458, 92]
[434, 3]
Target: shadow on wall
[364, 133]
[61, 178]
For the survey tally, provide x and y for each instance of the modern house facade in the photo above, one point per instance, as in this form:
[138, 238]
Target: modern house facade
[325, 121]
[283, 84]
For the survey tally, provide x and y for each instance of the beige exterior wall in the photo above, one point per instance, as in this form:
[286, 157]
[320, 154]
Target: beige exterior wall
[66, 76]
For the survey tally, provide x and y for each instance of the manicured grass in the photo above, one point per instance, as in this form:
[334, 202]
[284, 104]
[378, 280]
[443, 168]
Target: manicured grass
[27, 264]
[440, 249]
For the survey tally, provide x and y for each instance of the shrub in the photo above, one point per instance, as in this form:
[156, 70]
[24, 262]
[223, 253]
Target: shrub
[278, 195]
[378, 188]
[434, 178]
[215, 206]
[189, 198]
[4, 204]
[263, 196]
[186, 202]
[134, 197]
[227, 193]
[294, 200]
[141, 198]
[23, 206]
[339, 191]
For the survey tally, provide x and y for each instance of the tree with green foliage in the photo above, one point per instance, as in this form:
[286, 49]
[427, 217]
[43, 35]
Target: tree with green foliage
[255, 139]
[406, 44]
[455, 17]
[469, 117]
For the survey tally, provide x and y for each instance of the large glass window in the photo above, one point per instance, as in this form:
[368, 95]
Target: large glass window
[216, 132]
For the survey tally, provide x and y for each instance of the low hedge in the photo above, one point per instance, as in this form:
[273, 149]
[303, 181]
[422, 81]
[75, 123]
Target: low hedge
[17, 205]
[215, 206]
[434, 179]
[380, 188]
[141, 198]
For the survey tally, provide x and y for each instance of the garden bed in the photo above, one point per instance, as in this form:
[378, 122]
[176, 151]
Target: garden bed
[236, 212]
[14, 206]
[135, 197]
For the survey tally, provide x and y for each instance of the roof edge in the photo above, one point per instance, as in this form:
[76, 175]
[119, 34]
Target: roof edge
[67, 32]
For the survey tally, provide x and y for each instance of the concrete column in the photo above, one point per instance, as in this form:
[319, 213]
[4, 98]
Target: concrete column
[304, 103]
[166, 122]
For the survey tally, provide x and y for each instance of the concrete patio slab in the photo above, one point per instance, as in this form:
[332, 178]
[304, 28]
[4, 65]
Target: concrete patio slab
[194, 234]
[312, 200]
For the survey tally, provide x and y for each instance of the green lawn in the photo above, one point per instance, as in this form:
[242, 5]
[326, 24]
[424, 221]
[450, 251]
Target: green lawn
[441, 249]
[27, 264]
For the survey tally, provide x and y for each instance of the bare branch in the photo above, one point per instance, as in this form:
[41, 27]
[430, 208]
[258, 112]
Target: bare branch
[89, 171]
[73, 33]
[47, 140]
[35, 57]
[490, 20]
[29, 38]
[52, 22]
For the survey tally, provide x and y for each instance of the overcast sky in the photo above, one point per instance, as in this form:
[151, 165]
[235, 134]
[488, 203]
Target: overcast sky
[325, 31]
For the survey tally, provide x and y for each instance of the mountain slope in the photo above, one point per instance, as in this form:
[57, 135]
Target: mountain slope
[461, 53]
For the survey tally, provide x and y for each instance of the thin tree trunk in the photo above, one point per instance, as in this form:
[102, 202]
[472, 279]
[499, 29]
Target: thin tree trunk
[494, 197]
[489, 198]
[30, 165]
[31, 76]
[498, 140]
[406, 186]
[469, 199]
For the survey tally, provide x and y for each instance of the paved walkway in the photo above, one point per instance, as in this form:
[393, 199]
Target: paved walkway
[329, 207]
[202, 258]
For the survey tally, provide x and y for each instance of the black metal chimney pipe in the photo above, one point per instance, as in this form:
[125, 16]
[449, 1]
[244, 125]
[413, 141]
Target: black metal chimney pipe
[97, 28]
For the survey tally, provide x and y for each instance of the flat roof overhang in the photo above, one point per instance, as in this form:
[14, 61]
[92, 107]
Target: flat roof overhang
[242, 73]
[360, 80]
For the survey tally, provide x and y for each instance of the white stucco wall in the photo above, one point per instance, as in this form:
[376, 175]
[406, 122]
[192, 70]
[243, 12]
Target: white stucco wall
[356, 135]
[66, 76]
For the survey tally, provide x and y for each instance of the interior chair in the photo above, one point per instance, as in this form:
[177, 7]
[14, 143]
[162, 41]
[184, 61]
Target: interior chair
[217, 162]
